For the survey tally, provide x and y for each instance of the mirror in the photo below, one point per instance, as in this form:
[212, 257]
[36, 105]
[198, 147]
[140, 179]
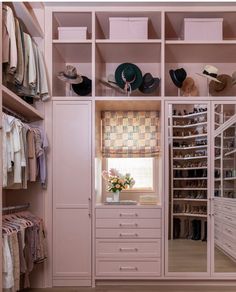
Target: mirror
[188, 185]
[225, 188]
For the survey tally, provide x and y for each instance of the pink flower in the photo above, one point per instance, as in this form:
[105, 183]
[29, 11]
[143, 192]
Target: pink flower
[105, 175]
[114, 172]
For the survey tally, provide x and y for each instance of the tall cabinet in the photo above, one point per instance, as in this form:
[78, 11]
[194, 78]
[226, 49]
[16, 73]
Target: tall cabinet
[72, 193]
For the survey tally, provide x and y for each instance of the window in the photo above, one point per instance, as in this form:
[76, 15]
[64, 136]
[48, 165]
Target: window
[141, 169]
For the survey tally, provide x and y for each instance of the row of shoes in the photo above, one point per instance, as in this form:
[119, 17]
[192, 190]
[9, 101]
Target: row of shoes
[193, 122]
[191, 195]
[190, 164]
[185, 112]
[230, 173]
[230, 144]
[190, 184]
[190, 229]
[217, 152]
[189, 209]
[201, 130]
[230, 195]
[217, 173]
[192, 154]
[190, 173]
[192, 144]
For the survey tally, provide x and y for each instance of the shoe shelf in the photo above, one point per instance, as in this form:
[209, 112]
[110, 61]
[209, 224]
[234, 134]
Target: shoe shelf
[189, 125]
[230, 178]
[189, 168]
[189, 215]
[190, 189]
[230, 152]
[189, 115]
[190, 178]
[190, 147]
[189, 158]
[190, 200]
[189, 137]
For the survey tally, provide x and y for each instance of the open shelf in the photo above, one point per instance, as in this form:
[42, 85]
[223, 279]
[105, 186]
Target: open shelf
[121, 41]
[190, 148]
[189, 215]
[72, 19]
[190, 125]
[190, 200]
[188, 137]
[28, 19]
[189, 158]
[102, 22]
[72, 41]
[147, 56]
[18, 105]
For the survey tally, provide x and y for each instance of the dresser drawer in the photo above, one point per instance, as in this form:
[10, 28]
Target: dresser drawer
[128, 233]
[128, 248]
[132, 268]
[125, 213]
[128, 223]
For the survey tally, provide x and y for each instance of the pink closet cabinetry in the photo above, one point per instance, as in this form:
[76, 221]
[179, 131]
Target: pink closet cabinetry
[72, 193]
[128, 242]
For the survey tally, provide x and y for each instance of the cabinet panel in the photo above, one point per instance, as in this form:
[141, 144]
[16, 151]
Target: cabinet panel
[72, 152]
[128, 223]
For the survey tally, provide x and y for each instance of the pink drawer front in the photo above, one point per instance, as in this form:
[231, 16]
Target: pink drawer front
[128, 248]
[132, 268]
[128, 223]
[128, 233]
[128, 213]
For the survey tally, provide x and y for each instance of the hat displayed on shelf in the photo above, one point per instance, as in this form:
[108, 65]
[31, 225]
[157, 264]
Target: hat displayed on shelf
[128, 76]
[70, 75]
[234, 78]
[178, 76]
[110, 82]
[210, 72]
[189, 88]
[224, 88]
[83, 88]
[149, 83]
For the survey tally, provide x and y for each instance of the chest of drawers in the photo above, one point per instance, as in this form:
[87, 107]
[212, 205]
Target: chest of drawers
[128, 242]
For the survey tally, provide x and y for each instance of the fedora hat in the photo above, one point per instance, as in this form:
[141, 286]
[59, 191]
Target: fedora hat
[178, 76]
[224, 88]
[149, 84]
[234, 78]
[189, 88]
[83, 88]
[210, 72]
[70, 75]
[128, 76]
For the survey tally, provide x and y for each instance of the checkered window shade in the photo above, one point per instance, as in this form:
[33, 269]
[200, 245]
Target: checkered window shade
[130, 133]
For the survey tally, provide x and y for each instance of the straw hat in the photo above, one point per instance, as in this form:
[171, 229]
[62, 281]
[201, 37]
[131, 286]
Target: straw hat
[210, 72]
[224, 88]
[70, 75]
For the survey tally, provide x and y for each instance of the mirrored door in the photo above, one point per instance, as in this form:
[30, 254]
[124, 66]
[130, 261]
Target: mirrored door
[188, 187]
[225, 188]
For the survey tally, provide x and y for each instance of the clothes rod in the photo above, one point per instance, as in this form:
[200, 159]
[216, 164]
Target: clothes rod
[14, 114]
[16, 208]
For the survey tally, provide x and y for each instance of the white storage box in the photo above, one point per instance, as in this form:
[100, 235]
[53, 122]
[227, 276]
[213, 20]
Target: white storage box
[203, 29]
[72, 33]
[128, 28]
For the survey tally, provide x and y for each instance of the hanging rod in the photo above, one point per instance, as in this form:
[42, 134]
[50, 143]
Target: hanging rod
[14, 114]
[12, 209]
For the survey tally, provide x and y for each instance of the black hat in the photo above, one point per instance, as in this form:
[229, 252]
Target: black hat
[178, 76]
[128, 73]
[149, 83]
[83, 88]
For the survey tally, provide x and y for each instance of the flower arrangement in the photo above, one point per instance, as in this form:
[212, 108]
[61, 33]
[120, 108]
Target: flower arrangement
[116, 181]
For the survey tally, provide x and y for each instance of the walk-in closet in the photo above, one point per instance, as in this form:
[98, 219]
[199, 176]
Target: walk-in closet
[118, 143]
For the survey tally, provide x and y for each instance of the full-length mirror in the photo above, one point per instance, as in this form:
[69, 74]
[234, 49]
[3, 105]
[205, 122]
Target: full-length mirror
[188, 185]
[225, 188]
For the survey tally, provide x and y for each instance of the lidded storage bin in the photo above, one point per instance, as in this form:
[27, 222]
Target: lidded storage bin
[203, 29]
[72, 33]
[128, 28]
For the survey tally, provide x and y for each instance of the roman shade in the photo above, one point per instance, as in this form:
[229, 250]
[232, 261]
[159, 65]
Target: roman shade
[130, 133]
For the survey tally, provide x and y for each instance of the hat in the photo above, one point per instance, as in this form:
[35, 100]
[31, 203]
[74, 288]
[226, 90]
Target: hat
[189, 88]
[210, 72]
[70, 75]
[83, 88]
[178, 76]
[223, 88]
[234, 78]
[128, 76]
[110, 82]
[149, 84]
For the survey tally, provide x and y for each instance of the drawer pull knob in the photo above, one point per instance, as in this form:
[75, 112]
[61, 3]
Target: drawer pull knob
[128, 224]
[128, 215]
[128, 268]
[128, 249]
[128, 234]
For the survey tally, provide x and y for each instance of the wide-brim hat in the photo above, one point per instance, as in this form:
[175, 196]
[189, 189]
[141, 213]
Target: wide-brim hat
[189, 88]
[234, 78]
[224, 88]
[83, 88]
[178, 76]
[149, 83]
[210, 72]
[128, 73]
[70, 75]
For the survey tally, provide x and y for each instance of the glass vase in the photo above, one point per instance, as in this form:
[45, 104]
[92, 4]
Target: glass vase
[116, 196]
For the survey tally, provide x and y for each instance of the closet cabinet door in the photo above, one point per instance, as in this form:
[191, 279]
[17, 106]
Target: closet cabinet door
[71, 192]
